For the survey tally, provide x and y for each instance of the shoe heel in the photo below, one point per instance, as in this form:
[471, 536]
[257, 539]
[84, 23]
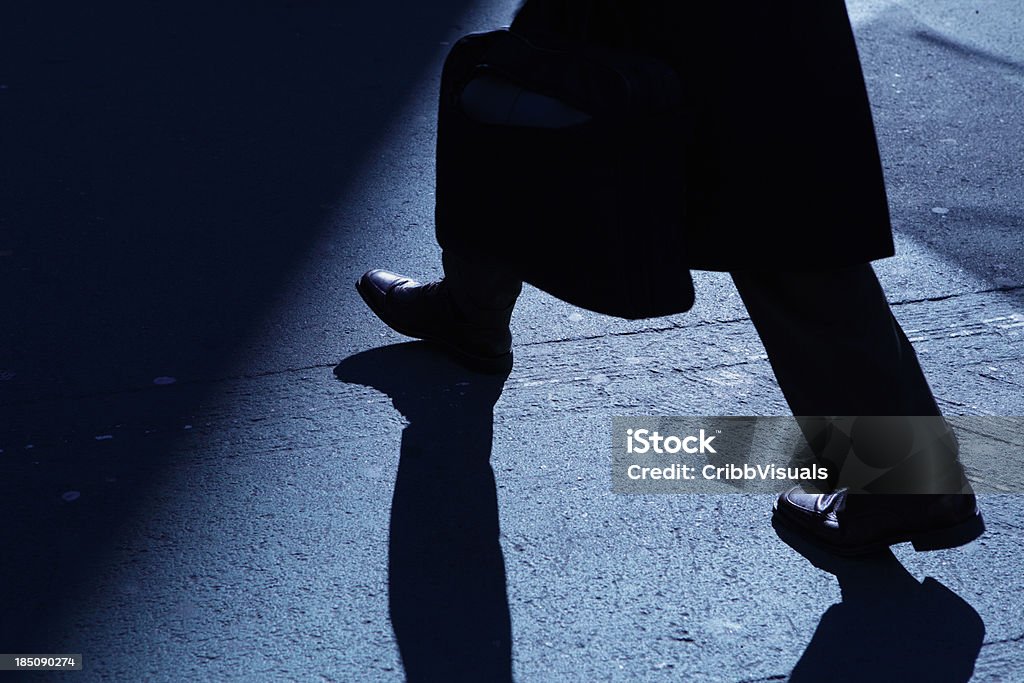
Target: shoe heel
[953, 537]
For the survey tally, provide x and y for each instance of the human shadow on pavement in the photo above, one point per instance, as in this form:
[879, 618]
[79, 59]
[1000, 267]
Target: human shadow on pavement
[446, 572]
[888, 627]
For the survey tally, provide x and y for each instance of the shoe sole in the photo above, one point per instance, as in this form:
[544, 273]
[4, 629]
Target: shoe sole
[936, 539]
[490, 365]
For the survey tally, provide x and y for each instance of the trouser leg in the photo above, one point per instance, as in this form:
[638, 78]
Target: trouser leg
[837, 350]
[479, 288]
[833, 343]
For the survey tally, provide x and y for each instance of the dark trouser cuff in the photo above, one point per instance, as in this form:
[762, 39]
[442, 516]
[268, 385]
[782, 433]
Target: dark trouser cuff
[478, 286]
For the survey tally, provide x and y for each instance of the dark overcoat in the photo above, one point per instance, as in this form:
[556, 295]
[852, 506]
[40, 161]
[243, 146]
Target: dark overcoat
[783, 168]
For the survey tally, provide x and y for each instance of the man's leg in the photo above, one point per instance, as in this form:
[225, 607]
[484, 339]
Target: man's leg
[837, 350]
[833, 343]
[480, 289]
[467, 312]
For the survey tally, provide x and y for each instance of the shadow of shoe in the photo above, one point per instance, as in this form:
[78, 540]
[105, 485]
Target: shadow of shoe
[888, 627]
[446, 572]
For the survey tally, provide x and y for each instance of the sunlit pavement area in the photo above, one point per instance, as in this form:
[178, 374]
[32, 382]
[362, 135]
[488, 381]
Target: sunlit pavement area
[191, 493]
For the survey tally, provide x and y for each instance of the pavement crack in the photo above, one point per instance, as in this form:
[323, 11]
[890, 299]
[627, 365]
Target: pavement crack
[523, 345]
[957, 295]
[633, 333]
[593, 337]
[274, 373]
[732, 321]
[1004, 641]
[188, 383]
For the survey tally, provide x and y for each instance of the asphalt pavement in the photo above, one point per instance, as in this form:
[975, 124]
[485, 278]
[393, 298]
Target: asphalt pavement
[216, 464]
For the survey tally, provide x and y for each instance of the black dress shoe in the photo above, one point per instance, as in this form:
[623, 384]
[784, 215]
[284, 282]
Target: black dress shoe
[480, 339]
[860, 524]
